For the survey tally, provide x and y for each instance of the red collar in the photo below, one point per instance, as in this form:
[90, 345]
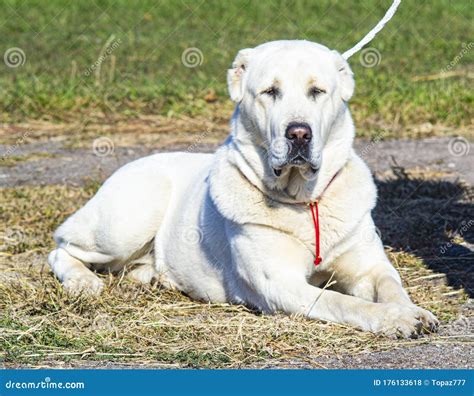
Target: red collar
[315, 215]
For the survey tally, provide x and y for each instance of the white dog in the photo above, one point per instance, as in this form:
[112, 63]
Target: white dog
[236, 226]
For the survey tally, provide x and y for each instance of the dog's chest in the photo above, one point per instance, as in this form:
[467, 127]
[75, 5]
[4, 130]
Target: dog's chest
[341, 209]
[297, 221]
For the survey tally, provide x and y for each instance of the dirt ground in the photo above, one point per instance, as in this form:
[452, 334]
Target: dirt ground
[55, 162]
[73, 166]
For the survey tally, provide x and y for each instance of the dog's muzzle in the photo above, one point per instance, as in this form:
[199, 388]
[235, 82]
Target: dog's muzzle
[299, 136]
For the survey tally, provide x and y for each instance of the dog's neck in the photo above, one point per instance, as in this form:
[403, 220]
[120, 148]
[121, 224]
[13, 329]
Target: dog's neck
[294, 186]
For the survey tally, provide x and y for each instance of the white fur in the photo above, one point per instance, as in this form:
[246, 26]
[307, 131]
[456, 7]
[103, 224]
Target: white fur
[225, 228]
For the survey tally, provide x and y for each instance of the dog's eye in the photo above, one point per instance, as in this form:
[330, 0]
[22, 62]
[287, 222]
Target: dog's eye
[315, 91]
[272, 91]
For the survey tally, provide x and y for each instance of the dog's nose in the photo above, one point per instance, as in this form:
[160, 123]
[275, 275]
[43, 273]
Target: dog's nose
[299, 133]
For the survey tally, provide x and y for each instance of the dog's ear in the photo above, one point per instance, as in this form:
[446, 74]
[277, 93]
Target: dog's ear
[346, 77]
[235, 76]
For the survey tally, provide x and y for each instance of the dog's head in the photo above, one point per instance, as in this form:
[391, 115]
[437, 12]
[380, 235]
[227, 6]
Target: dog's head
[290, 94]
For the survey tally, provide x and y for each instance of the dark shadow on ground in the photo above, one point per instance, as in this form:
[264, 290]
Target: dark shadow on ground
[432, 219]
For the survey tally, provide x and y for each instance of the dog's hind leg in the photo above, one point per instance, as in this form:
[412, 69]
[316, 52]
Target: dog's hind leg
[74, 260]
[73, 273]
[115, 228]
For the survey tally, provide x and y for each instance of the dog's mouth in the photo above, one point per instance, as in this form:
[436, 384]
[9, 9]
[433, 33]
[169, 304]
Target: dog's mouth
[298, 161]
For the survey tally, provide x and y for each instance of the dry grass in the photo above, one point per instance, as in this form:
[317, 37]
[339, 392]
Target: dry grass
[160, 131]
[14, 160]
[129, 323]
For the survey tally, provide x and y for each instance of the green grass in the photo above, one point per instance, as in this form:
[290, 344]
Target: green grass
[144, 73]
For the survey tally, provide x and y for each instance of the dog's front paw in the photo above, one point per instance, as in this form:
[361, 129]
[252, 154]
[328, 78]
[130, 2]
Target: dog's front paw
[429, 321]
[83, 283]
[406, 321]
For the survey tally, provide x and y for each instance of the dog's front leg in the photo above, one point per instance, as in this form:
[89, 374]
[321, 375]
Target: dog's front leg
[364, 271]
[272, 269]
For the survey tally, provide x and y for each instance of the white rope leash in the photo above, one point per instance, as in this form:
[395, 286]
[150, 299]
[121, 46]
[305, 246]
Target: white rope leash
[370, 36]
